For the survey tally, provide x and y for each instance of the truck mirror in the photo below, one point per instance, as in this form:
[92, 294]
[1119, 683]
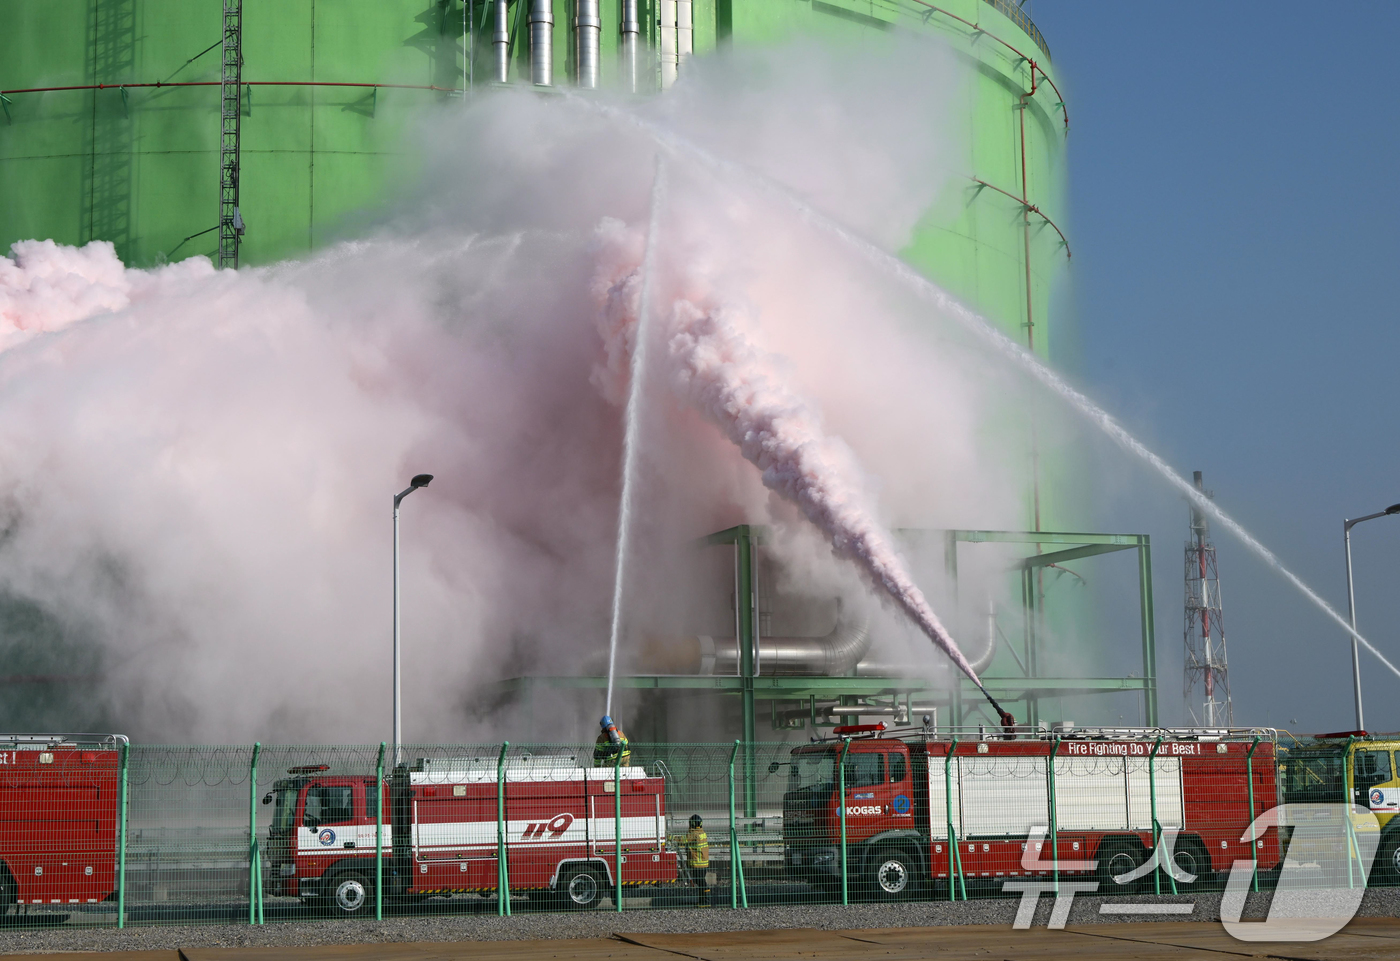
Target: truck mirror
[311, 821]
[774, 766]
[267, 798]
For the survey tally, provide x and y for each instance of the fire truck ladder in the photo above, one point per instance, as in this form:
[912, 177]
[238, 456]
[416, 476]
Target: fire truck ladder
[230, 99]
[1206, 662]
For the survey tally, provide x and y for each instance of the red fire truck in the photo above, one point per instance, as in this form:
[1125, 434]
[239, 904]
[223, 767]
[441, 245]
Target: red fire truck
[440, 831]
[1091, 811]
[59, 807]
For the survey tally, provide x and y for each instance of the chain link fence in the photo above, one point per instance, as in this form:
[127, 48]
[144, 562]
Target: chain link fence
[96, 831]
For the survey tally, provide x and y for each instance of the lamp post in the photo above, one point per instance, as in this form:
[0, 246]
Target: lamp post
[419, 480]
[1347, 525]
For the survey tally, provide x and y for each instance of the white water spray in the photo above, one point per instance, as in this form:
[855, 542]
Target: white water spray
[1004, 345]
[633, 416]
[735, 386]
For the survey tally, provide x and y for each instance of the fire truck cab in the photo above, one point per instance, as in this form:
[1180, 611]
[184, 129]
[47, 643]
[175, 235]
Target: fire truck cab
[1354, 767]
[445, 819]
[59, 808]
[1001, 794]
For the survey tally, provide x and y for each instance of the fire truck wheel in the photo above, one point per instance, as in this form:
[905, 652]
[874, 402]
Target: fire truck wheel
[351, 894]
[9, 891]
[1190, 857]
[1386, 868]
[890, 874]
[580, 889]
[1119, 857]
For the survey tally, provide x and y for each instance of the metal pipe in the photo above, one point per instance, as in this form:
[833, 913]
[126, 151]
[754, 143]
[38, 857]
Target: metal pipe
[835, 654]
[979, 32]
[666, 23]
[500, 41]
[685, 31]
[631, 45]
[588, 33]
[542, 43]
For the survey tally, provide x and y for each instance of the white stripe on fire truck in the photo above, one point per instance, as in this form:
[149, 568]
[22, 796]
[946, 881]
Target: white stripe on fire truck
[599, 830]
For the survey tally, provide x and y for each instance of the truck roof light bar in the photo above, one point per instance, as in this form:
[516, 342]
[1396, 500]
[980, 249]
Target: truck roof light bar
[308, 768]
[855, 730]
[1340, 734]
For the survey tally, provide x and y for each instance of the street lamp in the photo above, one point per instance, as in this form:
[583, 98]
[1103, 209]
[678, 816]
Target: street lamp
[1347, 525]
[419, 480]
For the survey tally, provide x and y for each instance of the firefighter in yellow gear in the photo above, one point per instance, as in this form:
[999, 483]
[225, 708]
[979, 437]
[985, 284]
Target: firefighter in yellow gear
[609, 743]
[695, 846]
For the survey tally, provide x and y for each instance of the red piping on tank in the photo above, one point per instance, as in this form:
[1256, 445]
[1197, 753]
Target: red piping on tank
[1034, 66]
[1032, 208]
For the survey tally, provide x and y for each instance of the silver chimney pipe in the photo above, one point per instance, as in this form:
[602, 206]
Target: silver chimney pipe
[542, 43]
[631, 45]
[588, 33]
[500, 41]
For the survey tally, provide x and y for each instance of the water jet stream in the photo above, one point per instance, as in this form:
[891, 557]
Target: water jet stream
[631, 436]
[980, 326]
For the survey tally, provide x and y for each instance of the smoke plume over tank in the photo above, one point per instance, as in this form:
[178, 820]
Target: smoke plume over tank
[717, 369]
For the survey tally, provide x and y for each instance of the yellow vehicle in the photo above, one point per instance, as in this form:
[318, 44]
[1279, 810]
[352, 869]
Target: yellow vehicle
[1356, 767]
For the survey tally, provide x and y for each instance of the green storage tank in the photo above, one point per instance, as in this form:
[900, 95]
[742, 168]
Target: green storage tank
[128, 148]
[115, 125]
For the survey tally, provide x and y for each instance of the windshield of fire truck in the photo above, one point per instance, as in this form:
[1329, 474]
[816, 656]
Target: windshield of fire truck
[284, 807]
[812, 773]
[1312, 776]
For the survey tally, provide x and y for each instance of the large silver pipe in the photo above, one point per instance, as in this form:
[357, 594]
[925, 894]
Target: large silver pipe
[685, 32]
[666, 14]
[500, 41]
[833, 655]
[631, 45]
[542, 43]
[588, 34]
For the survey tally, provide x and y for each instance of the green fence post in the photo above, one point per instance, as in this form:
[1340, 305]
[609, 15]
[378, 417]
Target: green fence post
[1348, 779]
[1253, 842]
[841, 799]
[1156, 827]
[1054, 819]
[617, 828]
[379, 836]
[954, 856]
[124, 762]
[738, 894]
[255, 915]
[502, 867]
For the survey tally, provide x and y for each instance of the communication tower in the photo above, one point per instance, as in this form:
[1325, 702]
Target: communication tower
[1206, 662]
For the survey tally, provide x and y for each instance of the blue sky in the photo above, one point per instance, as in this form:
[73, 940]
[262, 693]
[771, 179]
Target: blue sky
[1234, 215]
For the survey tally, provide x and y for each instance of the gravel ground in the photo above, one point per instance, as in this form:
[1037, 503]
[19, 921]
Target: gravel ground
[477, 925]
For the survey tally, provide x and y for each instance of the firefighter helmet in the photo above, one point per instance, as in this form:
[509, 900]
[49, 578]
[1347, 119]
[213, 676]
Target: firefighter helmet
[696, 820]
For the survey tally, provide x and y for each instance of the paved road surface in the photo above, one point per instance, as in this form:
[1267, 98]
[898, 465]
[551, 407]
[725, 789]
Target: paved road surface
[1365, 939]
